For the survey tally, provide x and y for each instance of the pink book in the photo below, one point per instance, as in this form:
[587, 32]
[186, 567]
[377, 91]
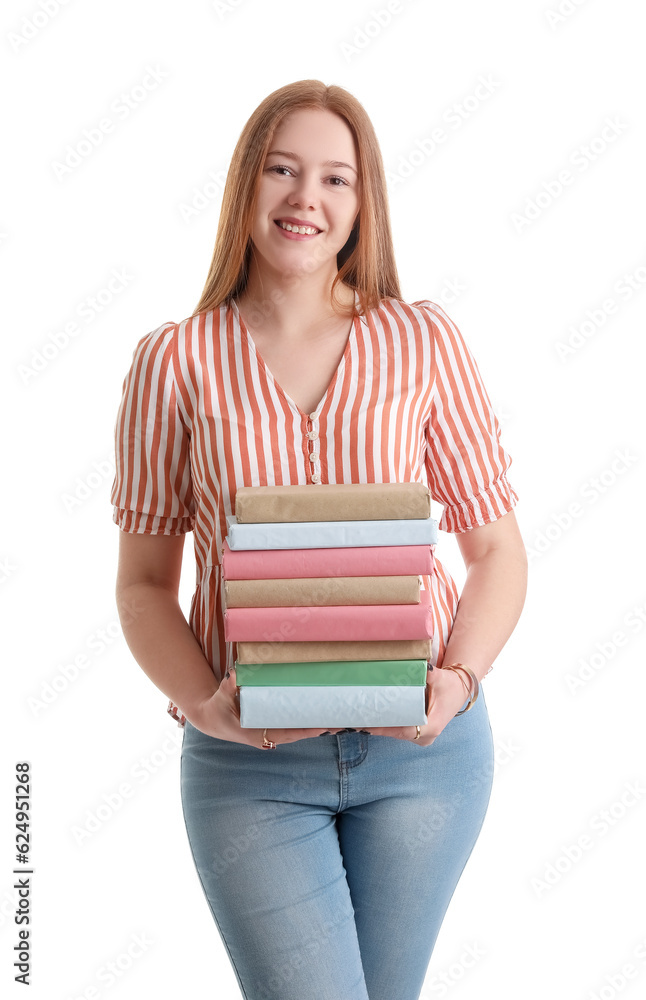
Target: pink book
[368, 560]
[338, 622]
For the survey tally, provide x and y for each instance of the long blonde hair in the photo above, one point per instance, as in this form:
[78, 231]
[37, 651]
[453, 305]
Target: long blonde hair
[366, 262]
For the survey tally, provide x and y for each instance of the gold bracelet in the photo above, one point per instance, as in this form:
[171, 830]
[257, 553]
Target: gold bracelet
[476, 687]
[473, 692]
[467, 687]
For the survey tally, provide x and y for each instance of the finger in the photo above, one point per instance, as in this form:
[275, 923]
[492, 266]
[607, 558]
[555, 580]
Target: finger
[228, 684]
[229, 680]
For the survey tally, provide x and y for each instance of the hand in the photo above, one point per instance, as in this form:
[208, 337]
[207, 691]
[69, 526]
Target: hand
[219, 716]
[446, 696]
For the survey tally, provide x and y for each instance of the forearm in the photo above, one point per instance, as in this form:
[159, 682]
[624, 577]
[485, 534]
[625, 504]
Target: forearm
[489, 608]
[163, 644]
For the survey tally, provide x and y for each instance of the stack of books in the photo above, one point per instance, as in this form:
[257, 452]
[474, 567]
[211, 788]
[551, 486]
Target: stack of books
[322, 595]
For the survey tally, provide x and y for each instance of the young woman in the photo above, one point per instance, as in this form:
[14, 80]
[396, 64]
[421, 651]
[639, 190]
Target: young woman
[328, 865]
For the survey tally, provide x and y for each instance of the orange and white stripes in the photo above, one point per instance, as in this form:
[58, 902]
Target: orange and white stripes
[201, 415]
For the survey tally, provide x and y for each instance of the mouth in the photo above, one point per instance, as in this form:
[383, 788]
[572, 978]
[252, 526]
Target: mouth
[294, 230]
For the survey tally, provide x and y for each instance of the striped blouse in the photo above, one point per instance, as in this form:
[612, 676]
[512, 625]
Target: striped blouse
[201, 414]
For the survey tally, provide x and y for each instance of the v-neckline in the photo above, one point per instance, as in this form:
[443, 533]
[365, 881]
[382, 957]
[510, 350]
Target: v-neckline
[335, 377]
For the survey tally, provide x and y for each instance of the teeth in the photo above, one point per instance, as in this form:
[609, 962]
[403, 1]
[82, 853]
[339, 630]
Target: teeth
[306, 230]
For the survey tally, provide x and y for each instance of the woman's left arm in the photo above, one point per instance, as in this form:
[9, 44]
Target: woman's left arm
[493, 594]
[489, 607]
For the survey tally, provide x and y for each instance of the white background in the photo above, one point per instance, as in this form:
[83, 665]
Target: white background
[573, 423]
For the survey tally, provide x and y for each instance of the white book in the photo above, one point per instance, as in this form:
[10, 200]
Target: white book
[297, 707]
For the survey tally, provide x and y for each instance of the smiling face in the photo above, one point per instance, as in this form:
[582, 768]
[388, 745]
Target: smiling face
[309, 178]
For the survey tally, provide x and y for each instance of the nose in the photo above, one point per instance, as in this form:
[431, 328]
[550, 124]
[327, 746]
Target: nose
[304, 193]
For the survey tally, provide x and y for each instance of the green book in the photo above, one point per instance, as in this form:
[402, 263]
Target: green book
[332, 672]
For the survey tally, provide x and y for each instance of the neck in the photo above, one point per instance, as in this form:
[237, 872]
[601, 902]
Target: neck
[282, 304]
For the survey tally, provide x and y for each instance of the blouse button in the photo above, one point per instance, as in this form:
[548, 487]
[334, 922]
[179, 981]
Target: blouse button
[313, 416]
[312, 435]
[314, 456]
[316, 478]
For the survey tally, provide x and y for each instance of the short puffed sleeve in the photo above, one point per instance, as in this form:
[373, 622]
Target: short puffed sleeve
[152, 490]
[465, 461]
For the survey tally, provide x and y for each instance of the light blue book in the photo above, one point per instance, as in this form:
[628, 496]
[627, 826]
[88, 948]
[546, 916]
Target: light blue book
[348, 705]
[330, 534]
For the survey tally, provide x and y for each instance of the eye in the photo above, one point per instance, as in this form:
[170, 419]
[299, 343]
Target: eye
[281, 166]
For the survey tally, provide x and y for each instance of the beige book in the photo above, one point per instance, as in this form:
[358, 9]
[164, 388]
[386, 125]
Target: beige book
[306, 652]
[324, 591]
[332, 502]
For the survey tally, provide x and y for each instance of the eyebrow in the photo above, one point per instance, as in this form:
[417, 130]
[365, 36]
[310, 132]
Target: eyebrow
[328, 163]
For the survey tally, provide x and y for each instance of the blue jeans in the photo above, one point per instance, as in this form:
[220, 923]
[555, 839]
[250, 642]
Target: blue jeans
[328, 864]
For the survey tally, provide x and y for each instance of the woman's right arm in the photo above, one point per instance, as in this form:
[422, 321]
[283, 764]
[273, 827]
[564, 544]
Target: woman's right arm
[155, 629]
[164, 645]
